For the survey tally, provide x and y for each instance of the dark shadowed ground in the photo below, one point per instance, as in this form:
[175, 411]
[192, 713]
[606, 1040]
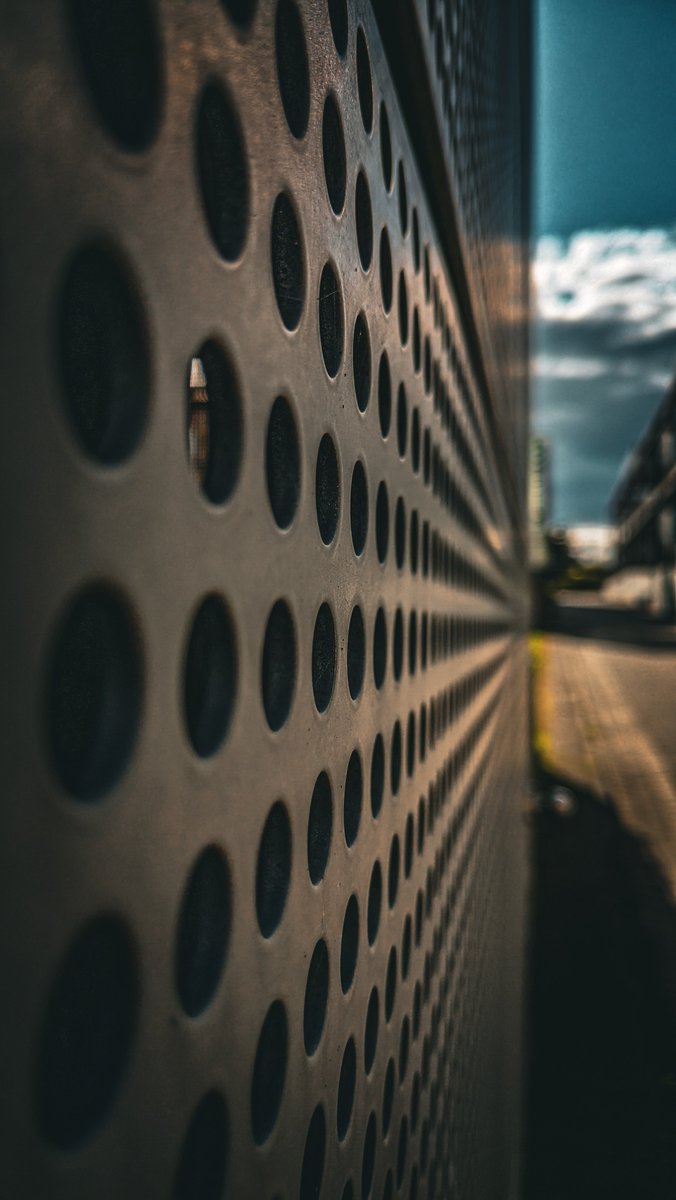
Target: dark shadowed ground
[601, 1109]
[602, 1096]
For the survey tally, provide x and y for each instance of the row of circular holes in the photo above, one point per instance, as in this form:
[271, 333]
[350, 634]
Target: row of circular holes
[389, 1085]
[270, 1084]
[69, 1111]
[96, 653]
[282, 462]
[118, 47]
[97, 288]
[313, 1167]
[105, 422]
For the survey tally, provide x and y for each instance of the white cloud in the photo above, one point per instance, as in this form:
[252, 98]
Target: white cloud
[624, 275]
[550, 366]
[604, 351]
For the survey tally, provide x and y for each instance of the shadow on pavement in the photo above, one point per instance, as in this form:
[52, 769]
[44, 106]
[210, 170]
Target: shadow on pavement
[601, 1109]
[607, 624]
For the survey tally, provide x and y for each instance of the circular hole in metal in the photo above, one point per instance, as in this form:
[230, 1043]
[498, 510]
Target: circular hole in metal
[406, 948]
[87, 1032]
[364, 221]
[293, 71]
[377, 775]
[356, 653]
[94, 693]
[333, 145]
[314, 1153]
[385, 147]
[204, 1154]
[415, 440]
[240, 11]
[331, 329]
[361, 362]
[214, 425]
[352, 799]
[320, 825]
[402, 1146]
[408, 845]
[327, 490]
[402, 420]
[427, 366]
[418, 911]
[222, 170]
[269, 1072]
[278, 673]
[403, 309]
[323, 658]
[375, 898]
[386, 270]
[382, 522]
[388, 1096]
[400, 533]
[203, 931]
[412, 646]
[403, 199]
[368, 1160]
[346, 1086]
[371, 1031]
[427, 454]
[390, 983]
[359, 508]
[349, 944]
[393, 872]
[379, 648]
[273, 869]
[119, 50]
[384, 394]
[417, 1005]
[395, 759]
[398, 645]
[316, 998]
[417, 361]
[103, 353]
[415, 232]
[339, 24]
[288, 261]
[282, 463]
[364, 82]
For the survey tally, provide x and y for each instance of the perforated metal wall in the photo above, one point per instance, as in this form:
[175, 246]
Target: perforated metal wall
[264, 698]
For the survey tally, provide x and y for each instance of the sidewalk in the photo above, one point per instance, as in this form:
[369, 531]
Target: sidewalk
[606, 718]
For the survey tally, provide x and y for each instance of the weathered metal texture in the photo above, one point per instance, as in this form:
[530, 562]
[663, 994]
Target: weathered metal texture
[264, 698]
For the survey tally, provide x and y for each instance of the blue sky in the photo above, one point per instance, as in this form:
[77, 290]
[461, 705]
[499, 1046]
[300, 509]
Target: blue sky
[605, 163]
[606, 101]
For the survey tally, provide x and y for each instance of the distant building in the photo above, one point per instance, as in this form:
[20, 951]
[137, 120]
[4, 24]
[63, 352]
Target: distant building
[539, 501]
[643, 504]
